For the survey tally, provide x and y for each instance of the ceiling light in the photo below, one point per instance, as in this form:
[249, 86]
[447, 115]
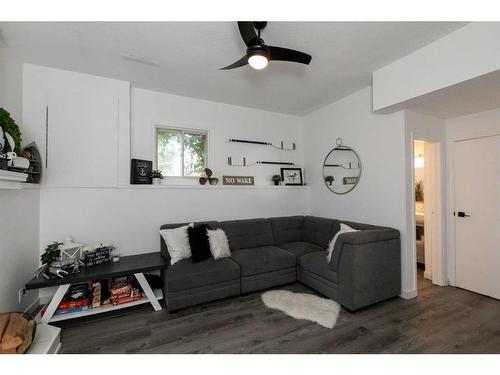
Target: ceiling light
[258, 57]
[419, 161]
[258, 61]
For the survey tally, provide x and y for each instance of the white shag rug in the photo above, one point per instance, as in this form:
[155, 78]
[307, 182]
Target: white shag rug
[303, 306]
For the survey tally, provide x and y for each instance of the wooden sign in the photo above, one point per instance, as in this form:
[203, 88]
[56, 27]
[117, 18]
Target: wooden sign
[140, 171]
[350, 180]
[97, 256]
[238, 180]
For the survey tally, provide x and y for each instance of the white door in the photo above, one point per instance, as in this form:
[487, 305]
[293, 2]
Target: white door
[477, 214]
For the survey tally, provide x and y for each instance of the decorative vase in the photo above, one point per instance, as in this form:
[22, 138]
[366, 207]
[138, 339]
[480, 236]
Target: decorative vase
[276, 183]
[156, 181]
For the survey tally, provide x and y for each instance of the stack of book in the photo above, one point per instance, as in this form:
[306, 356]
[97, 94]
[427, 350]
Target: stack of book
[76, 299]
[123, 291]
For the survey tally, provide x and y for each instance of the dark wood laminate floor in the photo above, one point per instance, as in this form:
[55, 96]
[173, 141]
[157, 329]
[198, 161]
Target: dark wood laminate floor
[439, 320]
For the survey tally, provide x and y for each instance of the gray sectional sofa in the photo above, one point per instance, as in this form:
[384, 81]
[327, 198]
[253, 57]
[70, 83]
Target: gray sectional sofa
[365, 267]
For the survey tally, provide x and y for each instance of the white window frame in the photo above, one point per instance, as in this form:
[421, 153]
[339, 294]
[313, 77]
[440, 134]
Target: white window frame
[166, 128]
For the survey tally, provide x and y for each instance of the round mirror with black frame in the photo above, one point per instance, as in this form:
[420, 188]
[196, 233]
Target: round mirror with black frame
[341, 169]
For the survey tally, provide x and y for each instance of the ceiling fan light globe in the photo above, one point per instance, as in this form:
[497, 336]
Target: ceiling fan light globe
[258, 62]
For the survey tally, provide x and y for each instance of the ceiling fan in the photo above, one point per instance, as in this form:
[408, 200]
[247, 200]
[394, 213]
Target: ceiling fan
[258, 53]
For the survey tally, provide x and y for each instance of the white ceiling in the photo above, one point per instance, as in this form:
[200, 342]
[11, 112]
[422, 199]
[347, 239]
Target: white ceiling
[344, 54]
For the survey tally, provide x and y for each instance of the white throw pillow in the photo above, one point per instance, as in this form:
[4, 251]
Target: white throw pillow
[343, 229]
[177, 241]
[219, 245]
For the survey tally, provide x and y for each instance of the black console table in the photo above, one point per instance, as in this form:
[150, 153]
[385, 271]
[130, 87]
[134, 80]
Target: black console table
[128, 265]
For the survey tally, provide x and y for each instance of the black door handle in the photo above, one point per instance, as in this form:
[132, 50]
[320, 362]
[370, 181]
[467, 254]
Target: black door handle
[462, 214]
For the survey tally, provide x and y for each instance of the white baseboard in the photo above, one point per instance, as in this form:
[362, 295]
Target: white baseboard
[427, 275]
[408, 294]
[444, 282]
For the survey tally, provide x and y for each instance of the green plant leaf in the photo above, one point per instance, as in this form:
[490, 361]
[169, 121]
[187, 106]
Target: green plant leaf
[8, 125]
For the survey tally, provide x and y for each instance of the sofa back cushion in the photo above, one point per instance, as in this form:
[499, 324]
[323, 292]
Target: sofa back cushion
[287, 229]
[319, 231]
[244, 234]
[163, 245]
[361, 226]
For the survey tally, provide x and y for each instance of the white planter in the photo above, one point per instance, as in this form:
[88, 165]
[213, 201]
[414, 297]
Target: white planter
[156, 181]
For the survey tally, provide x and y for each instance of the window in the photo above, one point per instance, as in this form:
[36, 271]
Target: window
[181, 152]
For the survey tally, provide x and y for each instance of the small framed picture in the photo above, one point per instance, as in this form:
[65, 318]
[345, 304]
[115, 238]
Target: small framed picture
[140, 172]
[291, 176]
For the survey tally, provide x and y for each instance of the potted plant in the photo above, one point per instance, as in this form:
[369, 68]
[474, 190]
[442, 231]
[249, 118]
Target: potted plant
[157, 176]
[329, 180]
[419, 197]
[9, 126]
[419, 191]
[276, 179]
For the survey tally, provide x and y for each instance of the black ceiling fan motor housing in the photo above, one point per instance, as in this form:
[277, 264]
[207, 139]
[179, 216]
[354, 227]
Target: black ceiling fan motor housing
[256, 46]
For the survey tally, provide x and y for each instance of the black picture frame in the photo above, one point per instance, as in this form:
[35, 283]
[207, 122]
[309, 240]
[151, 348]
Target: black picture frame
[284, 172]
[140, 172]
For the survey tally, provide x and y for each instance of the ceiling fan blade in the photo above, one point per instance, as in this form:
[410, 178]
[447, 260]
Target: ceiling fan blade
[285, 54]
[241, 62]
[248, 33]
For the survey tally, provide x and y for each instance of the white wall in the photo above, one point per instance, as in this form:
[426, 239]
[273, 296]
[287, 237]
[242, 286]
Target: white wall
[19, 225]
[129, 216]
[19, 209]
[480, 124]
[11, 88]
[2, 75]
[150, 108]
[467, 53]
[379, 197]
[39, 82]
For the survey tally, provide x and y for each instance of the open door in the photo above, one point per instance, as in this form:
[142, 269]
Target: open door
[427, 208]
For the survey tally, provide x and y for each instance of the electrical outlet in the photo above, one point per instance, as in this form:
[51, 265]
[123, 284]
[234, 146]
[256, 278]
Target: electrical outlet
[21, 294]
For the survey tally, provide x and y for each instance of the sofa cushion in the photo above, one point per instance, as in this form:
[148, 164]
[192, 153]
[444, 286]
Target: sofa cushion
[262, 260]
[287, 229]
[185, 274]
[319, 231]
[317, 264]
[300, 248]
[198, 241]
[361, 226]
[163, 246]
[245, 234]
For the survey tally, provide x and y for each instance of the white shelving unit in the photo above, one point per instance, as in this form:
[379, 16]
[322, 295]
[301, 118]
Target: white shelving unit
[103, 309]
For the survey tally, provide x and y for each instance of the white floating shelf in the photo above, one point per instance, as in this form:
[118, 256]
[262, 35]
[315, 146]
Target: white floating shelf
[12, 180]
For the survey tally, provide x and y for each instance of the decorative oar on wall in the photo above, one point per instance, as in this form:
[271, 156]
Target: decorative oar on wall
[280, 147]
[245, 164]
